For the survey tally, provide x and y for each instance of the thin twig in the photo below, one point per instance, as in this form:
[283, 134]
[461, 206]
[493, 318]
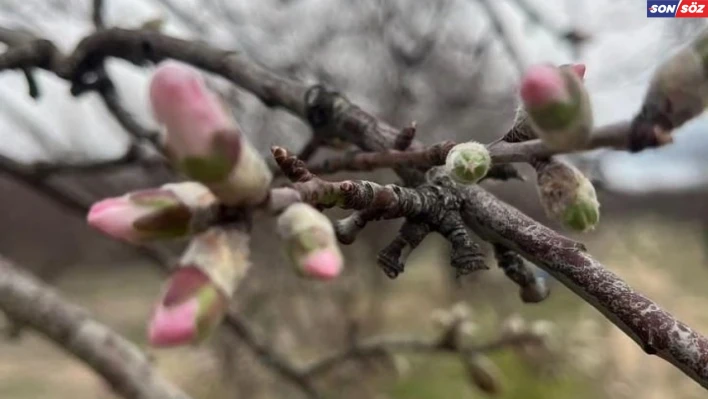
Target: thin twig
[388, 344]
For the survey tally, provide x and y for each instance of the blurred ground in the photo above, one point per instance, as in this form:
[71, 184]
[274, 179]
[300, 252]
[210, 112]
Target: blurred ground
[665, 260]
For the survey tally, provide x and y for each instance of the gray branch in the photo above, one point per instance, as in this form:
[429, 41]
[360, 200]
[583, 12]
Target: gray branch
[126, 369]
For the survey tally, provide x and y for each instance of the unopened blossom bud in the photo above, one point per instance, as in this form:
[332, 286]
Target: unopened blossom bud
[522, 128]
[483, 374]
[568, 196]
[468, 163]
[140, 216]
[678, 92]
[310, 242]
[558, 105]
[197, 294]
[203, 140]
[191, 307]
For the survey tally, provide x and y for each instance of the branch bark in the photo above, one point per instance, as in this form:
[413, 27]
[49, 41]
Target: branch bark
[655, 330]
[122, 364]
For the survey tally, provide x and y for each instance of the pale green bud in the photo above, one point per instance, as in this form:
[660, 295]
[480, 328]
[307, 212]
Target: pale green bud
[568, 196]
[468, 163]
[310, 242]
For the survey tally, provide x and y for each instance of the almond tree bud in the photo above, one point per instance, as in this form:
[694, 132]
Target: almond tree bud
[467, 163]
[522, 129]
[483, 374]
[203, 140]
[197, 295]
[678, 92]
[558, 105]
[140, 216]
[568, 196]
[310, 242]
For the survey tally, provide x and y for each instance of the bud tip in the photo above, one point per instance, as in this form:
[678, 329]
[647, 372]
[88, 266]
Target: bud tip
[324, 264]
[171, 326]
[541, 85]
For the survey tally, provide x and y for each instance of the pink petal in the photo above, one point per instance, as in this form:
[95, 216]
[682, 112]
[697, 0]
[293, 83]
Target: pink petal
[579, 70]
[191, 113]
[174, 325]
[115, 217]
[541, 85]
[324, 264]
[184, 283]
[106, 204]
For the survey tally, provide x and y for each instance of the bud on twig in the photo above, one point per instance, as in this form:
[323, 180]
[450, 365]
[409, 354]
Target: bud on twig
[483, 373]
[558, 105]
[310, 242]
[468, 163]
[568, 196]
[678, 92]
[197, 295]
[140, 216]
[203, 140]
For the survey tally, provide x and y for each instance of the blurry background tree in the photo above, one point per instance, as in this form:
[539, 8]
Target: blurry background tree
[450, 65]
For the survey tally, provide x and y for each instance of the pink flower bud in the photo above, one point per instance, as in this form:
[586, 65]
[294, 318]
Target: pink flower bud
[542, 85]
[325, 264]
[579, 70]
[150, 214]
[202, 138]
[197, 295]
[191, 307]
[310, 242]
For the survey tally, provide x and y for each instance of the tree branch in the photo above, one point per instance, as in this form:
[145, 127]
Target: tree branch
[123, 365]
[613, 136]
[654, 329]
[332, 116]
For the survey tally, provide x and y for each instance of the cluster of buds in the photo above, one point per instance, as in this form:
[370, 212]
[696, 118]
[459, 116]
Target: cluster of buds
[141, 216]
[468, 163]
[197, 294]
[203, 140]
[557, 106]
[310, 242]
[206, 144]
[567, 195]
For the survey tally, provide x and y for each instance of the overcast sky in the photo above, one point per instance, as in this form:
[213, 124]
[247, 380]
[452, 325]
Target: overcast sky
[625, 49]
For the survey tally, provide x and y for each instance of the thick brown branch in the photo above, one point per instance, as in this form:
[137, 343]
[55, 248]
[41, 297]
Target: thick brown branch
[654, 329]
[126, 369]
